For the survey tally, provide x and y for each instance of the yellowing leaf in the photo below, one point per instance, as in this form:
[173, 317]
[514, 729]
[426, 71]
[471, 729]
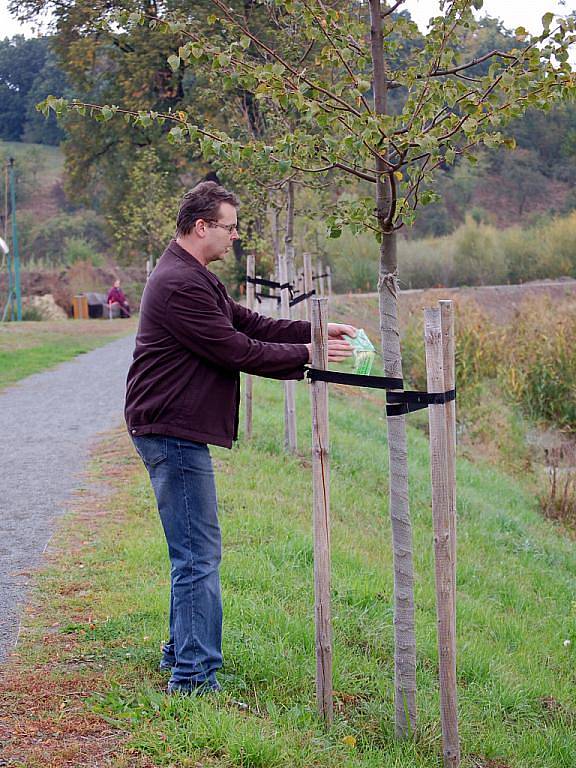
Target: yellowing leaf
[398, 175]
[350, 741]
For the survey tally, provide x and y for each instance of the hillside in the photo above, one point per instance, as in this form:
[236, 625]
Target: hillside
[40, 170]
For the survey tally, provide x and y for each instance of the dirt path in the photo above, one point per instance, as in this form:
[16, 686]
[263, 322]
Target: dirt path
[49, 421]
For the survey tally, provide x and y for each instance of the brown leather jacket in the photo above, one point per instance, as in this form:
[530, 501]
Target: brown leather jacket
[192, 342]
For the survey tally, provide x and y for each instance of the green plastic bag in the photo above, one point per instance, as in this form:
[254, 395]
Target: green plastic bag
[364, 352]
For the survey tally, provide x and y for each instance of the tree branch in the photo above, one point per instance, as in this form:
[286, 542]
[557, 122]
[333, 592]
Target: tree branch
[390, 11]
[245, 30]
[337, 50]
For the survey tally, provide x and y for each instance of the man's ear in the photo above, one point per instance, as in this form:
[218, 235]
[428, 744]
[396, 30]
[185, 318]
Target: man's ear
[199, 228]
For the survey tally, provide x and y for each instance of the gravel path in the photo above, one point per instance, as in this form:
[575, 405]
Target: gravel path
[49, 422]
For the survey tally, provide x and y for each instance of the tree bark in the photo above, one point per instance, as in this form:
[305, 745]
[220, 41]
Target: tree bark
[404, 632]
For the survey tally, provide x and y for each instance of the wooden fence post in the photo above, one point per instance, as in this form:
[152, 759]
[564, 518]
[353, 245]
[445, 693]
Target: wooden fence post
[329, 280]
[274, 295]
[308, 283]
[300, 289]
[319, 279]
[449, 355]
[321, 501]
[443, 545]
[290, 436]
[249, 381]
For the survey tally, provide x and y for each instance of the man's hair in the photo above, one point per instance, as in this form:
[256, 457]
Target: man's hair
[202, 202]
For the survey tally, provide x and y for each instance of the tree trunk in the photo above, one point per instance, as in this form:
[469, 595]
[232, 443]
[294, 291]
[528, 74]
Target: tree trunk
[404, 634]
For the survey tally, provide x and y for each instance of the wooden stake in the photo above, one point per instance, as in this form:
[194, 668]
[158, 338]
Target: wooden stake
[449, 356]
[319, 279]
[249, 381]
[443, 546]
[273, 293]
[321, 501]
[308, 283]
[290, 436]
[329, 280]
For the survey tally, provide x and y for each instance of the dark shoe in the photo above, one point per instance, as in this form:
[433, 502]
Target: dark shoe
[166, 664]
[193, 689]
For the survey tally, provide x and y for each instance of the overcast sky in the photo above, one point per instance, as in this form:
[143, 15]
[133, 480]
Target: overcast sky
[514, 13]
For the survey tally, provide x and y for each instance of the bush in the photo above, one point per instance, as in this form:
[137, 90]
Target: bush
[63, 239]
[478, 255]
[78, 249]
[426, 263]
[354, 260]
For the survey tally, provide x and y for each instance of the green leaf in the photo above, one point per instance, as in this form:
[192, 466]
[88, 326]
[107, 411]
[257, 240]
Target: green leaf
[174, 62]
[284, 166]
[547, 20]
[245, 42]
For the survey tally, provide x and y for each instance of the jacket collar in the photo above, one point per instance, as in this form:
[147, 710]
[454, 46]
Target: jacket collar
[182, 254]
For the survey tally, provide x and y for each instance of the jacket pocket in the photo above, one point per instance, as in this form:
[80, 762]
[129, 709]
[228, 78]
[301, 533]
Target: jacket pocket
[151, 448]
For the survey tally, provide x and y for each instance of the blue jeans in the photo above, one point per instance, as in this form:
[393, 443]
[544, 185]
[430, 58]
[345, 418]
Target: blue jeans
[183, 481]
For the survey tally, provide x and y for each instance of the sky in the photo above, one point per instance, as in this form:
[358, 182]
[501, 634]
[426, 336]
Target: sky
[514, 13]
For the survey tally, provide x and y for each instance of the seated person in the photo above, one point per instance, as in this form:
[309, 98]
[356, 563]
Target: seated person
[117, 296]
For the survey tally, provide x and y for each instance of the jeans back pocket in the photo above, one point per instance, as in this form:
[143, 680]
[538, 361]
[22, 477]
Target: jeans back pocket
[152, 449]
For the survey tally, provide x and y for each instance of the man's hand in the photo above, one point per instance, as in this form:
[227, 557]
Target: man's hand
[338, 348]
[337, 330]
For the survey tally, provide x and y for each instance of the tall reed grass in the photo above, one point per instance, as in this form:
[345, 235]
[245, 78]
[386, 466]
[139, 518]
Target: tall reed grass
[532, 358]
[475, 254]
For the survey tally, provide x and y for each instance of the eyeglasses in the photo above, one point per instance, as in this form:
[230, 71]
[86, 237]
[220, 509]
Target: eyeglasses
[228, 227]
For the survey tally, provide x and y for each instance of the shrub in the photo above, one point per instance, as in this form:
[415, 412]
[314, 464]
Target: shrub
[354, 260]
[426, 263]
[78, 249]
[478, 255]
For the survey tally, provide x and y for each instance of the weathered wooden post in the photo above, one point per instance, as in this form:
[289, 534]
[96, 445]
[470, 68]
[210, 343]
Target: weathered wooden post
[290, 436]
[449, 357]
[321, 502]
[308, 283]
[329, 280]
[274, 296]
[319, 279]
[300, 289]
[442, 495]
[249, 382]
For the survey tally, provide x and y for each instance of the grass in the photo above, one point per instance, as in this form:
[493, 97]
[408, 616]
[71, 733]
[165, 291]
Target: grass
[103, 610]
[31, 347]
[50, 159]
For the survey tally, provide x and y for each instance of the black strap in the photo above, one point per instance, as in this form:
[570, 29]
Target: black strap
[354, 379]
[260, 296]
[398, 403]
[317, 277]
[302, 297]
[267, 283]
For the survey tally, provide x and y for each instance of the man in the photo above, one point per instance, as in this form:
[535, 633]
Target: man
[117, 296]
[183, 393]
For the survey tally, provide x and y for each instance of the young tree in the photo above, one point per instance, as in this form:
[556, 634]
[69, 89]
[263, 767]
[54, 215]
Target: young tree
[375, 100]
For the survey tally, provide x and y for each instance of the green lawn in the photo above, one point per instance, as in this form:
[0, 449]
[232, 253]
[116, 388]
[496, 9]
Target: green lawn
[516, 609]
[31, 347]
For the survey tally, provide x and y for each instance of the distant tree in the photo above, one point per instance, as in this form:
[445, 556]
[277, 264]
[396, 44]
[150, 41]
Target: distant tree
[28, 73]
[144, 221]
